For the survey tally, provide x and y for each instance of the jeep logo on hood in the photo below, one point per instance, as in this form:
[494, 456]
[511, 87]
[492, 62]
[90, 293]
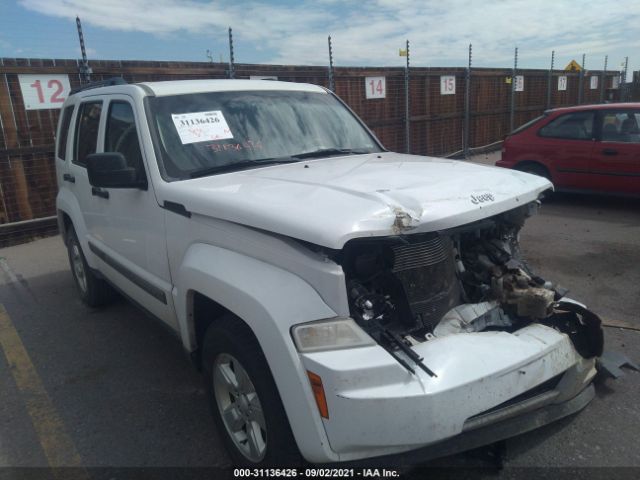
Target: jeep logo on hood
[485, 197]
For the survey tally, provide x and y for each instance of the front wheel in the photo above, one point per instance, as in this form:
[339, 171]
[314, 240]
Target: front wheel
[244, 400]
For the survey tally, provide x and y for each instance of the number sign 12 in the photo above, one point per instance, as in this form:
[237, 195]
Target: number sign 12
[447, 85]
[41, 92]
[375, 87]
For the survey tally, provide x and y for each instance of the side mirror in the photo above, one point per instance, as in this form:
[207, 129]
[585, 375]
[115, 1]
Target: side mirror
[110, 170]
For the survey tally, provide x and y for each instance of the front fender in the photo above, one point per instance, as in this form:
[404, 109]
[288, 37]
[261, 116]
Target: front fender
[270, 300]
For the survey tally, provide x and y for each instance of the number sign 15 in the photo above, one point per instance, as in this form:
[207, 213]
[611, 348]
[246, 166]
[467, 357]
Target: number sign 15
[447, 85]
[375, 87]
[41, 92]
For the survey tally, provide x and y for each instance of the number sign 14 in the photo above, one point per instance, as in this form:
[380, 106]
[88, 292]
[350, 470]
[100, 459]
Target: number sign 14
[375, 87]
[41, 92]
[447, 85]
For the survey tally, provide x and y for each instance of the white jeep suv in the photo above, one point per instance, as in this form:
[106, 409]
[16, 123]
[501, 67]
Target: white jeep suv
[342, 301]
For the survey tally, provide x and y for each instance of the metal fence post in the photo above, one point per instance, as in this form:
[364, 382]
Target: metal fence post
[513, 91]
[623, 81]
[581, 82]
[603, 79]
[85, 70]
[332, 85]
[407, 113]
[550, 82]
[467, 106]
[232, 70]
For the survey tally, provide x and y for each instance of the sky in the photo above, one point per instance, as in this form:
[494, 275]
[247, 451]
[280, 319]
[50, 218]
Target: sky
[364, 32]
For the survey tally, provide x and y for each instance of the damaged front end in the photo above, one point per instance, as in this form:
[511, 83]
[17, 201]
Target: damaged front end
[409, 289]
[468, 345]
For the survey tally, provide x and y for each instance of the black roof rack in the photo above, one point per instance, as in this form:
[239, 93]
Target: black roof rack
[102, 83]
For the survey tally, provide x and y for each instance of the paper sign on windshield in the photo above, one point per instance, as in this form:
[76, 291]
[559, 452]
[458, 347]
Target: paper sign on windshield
[201, 126]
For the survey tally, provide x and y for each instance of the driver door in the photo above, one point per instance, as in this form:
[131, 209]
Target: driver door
[127, 233]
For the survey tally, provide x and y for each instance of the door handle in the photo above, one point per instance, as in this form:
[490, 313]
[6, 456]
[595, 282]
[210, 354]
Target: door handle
[609, 151]
[67, 177]
[99, 192]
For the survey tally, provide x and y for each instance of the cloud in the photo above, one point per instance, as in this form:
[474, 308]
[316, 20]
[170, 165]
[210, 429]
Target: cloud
[370, 32]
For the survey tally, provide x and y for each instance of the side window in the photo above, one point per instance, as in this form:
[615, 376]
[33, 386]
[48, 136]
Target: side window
[86, 131]
[621, 126]
[122, 136]
[574, 126]
[65, 121]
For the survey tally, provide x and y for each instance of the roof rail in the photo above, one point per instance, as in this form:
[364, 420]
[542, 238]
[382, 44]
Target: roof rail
[102, 83]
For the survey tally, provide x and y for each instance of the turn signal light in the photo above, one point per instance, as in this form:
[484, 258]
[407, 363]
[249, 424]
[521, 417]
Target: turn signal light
[318, 393]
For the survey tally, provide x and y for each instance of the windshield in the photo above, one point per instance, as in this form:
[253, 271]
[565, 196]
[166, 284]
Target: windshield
[218, 132]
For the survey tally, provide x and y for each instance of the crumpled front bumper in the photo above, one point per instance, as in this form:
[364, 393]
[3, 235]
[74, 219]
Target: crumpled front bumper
[376, 407]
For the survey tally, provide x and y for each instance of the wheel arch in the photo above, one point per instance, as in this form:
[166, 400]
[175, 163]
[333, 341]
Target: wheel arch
[213, 281]
[523, 164]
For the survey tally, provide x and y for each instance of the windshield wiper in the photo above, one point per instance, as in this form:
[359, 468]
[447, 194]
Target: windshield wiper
[323, 152]
[230, 167]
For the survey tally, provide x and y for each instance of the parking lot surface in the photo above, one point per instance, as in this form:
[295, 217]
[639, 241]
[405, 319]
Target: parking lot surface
[112, 388]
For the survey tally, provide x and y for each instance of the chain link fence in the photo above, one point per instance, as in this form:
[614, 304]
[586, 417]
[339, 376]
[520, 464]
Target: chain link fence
[450, 112]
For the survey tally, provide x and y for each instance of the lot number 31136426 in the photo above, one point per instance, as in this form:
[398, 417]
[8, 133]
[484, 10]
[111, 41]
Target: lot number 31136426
[41, 92]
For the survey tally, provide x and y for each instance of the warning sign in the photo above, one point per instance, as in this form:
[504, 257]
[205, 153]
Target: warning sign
[573, 66]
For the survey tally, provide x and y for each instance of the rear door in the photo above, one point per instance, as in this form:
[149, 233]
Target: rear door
[84, 142]
[566, 144]
[616, 156]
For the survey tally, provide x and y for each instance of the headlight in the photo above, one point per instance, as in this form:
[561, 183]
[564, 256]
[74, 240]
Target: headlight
[333, 334]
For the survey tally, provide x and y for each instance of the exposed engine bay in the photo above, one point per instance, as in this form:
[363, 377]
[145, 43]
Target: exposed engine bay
[409, 289]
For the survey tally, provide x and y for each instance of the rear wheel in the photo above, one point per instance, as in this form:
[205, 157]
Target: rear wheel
[93, 291]
[244, 400]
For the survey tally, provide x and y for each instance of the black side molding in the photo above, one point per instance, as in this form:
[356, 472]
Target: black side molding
[134, 278]
[176, 208]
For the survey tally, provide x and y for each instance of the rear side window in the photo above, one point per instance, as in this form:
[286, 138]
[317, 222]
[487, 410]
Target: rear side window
[573, 126]
[121, 134]
[65, 121]
[528, 124]
[621, 126]
[87, 131]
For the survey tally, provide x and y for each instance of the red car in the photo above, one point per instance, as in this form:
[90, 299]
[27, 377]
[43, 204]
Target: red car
[589, 148]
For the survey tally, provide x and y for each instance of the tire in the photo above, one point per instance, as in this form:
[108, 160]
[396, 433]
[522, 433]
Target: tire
[238, 381]
[93, 291]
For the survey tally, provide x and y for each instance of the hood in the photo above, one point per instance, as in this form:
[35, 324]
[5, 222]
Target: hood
[332, 200]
